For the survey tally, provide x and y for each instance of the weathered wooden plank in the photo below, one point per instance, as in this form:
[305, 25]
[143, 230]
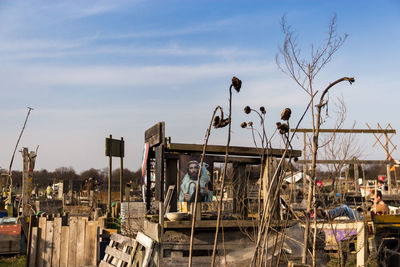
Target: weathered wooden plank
[210, 224]
[57, 241]
[105, 264]
[346, 161]
[64, 247]
[155, 135]
[73, 232]
[233, 150]
[159, 194]
[10, 245]
[121, 261]
[48, 248]
[42, 241]
[91, 243]
[122, 239]
[118, 254]
[346, 130]
[34, 248]
[80, 243]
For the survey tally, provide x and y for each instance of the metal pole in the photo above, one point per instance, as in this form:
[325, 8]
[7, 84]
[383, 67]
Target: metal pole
[121, 170]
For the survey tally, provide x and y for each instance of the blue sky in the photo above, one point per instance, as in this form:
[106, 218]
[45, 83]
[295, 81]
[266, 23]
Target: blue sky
[94, 68]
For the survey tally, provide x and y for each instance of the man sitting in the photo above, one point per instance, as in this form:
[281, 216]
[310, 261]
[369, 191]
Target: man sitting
[379, 207]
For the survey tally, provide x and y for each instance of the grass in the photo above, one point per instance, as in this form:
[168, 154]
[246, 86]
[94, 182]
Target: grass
[13, 261]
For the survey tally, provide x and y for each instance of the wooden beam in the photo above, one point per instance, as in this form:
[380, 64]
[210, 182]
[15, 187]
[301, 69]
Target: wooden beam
[346, 130]
[216, 158]
[233, 150]
[155, 135]
[347, 161]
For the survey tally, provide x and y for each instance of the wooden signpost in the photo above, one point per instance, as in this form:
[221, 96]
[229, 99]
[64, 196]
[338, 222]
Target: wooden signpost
[115, 148]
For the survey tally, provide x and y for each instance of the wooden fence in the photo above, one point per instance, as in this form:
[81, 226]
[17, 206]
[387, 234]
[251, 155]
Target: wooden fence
[62, 243]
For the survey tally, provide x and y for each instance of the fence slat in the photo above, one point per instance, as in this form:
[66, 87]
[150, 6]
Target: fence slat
[57, 241]
[48, 247]
[73, 232]
[64, 246]
[34, 243]
[91, 243]
[80, 243]
[41, 241]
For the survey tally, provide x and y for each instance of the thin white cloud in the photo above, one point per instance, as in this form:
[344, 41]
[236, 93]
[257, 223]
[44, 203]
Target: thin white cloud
[113, 76]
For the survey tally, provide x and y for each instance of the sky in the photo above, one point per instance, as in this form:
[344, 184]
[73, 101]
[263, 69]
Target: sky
[94, 68]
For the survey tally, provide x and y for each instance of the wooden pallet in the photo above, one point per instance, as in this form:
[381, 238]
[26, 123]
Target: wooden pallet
[118, 252]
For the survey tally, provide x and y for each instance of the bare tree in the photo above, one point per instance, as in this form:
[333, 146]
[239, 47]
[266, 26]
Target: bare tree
[340, 146]
[304, 70]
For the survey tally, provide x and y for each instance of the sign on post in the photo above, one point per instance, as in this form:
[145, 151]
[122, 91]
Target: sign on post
[115, 148]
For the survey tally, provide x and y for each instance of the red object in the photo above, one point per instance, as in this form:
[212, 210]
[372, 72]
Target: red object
[381, 178]
[12, 229]
[319, 183]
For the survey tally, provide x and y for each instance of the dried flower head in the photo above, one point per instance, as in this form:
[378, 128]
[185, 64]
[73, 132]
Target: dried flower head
[223, 123]
[247, 109]
[250, 124]
[243, 124]
[237, 84]
[283, 128]
[262, 109]
[286, 114]
[216, 121]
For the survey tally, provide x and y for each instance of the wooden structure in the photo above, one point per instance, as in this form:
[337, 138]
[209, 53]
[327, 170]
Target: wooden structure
[62, 242]
[173, 237]
[115, 148]
[126, 252]
[10, 239]
[385, 132]
[118, 252]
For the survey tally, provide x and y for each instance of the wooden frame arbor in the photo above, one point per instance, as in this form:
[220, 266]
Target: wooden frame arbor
[380, 130]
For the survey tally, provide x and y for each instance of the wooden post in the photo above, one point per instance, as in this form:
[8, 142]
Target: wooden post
[160, 182]
[25, 178]
[305, 163]
[148, 182]
[356, 176]
[109, 176]
[362, 247]
[389, 178]
[121, 170]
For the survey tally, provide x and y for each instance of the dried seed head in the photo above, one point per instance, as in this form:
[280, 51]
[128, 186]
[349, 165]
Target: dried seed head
[243, 124]
[278, 125]
[237, 84]
[247, 109]
[223, 123]
[216, 121]
[262, 109]
[286, 114]
[296, 159]
[250, 124]
[283, 128]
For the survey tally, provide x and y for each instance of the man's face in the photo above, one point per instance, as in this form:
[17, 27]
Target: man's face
[193, 171]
